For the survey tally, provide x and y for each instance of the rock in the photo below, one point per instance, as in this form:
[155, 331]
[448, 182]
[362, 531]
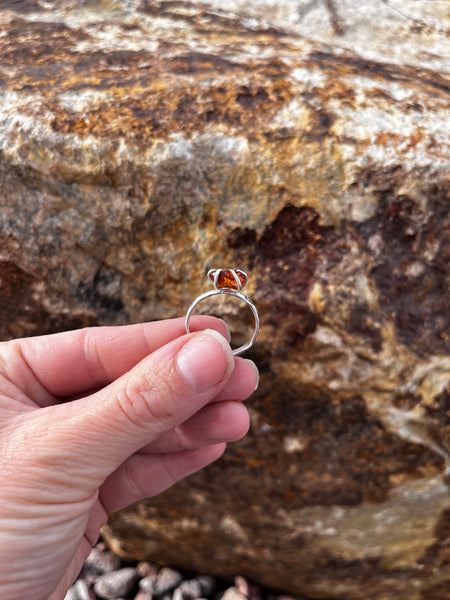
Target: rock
[207, 584]
[79, 591]
[188, 590]
[177, 594]
[251, 592]
[116, 584]
[144, 596]
[146, 569]
[83, 590]
[99, 561]
[147, 583]
[233, 593]
[71, 594]
[166, 581]
[143, 145]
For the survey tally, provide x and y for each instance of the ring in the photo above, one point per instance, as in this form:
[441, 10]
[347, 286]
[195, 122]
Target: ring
[229, 282]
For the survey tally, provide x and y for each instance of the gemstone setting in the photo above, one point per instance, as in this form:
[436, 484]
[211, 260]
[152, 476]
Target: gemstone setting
[227, 279]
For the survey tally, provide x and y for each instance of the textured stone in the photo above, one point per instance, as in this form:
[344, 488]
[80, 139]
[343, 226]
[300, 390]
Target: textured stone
[83, 591]
[99, 561]
[146, 569]
[80, 590]
[71, 594]
[143, 596]
[251, 592]
[116, 584]
[166, 581]
[188, 590]
[207, 584]
[143, 143]
[147, 583]
[233, 593]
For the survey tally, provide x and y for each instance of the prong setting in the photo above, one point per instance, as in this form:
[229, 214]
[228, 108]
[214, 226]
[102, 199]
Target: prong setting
[228, 282]
[231, 279]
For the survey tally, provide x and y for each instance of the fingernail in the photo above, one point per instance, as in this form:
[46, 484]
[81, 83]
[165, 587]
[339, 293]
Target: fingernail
[205, 360]
[227, 330]
[255, 368]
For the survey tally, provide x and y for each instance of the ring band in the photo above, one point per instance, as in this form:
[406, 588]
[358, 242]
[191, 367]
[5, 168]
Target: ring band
[228, 282]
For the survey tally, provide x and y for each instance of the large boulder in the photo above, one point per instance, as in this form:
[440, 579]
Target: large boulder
[142, 143]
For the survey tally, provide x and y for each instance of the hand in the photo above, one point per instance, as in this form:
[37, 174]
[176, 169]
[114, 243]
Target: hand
[96, 419]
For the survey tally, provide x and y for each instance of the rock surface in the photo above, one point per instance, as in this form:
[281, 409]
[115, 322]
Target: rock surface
[142, 143]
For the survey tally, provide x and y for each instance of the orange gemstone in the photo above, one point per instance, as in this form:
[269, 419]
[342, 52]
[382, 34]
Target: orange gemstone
[226, 278]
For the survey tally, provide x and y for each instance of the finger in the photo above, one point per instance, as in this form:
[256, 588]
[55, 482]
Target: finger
[72, 362]
[85, 440]
[225, 421]
[242, 382]
[212, 425]
[144, 475]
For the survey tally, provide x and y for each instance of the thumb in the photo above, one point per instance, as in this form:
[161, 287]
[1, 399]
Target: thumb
[88, 439]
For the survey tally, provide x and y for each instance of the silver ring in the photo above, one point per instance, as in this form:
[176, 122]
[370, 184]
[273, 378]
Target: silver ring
[229, 282]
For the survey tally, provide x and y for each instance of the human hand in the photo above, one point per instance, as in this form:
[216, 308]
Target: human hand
[96, 419]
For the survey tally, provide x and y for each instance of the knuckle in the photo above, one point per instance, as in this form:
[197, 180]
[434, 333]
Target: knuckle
[135, 489]
[147, 399]
[92, 358]
[169, 467]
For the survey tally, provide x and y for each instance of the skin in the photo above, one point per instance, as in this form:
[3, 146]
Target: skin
[96, 419]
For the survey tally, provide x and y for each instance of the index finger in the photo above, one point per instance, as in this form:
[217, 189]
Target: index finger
[73, 362]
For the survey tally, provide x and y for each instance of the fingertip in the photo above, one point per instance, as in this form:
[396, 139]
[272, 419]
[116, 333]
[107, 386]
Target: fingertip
[242, 382]
[255, 371]
[211, 453]
[205, 360]
[226, 421]
[239, 421]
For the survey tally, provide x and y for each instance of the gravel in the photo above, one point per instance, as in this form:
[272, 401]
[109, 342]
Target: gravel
[116, 584]
[107, 577]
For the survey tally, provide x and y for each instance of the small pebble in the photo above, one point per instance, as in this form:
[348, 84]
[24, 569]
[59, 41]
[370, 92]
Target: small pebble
[207, 584]
[145, 568]
[99, 562]
[71, 594]
[116, 584]
[83, 591]
[144, 596]
[166, 581]
[147, 584]
[177, 594]
[188, 590]
[249, 590]
[233, 593]
[80, 591]
[241, 585]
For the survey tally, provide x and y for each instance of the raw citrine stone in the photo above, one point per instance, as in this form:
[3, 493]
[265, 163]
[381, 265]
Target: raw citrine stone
[228, 278]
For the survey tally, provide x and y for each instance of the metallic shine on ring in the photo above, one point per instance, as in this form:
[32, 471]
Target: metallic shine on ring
[229, 282]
